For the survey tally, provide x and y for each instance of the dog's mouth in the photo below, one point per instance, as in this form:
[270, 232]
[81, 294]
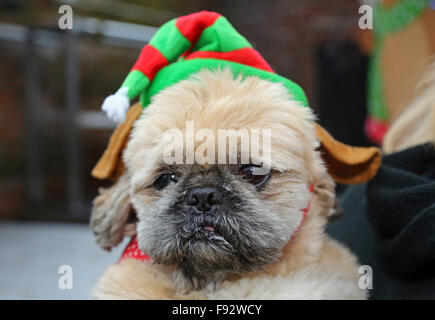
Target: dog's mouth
[211, 236]
[210, 232]
[208, 228]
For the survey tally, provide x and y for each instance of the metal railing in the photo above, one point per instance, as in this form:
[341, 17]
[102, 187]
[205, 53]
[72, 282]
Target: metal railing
[114, 33]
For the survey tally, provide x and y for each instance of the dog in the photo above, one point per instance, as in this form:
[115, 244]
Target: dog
[220, 231]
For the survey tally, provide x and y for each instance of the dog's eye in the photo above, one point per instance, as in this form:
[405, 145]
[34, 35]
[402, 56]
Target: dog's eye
[253, 174]
[164, 180]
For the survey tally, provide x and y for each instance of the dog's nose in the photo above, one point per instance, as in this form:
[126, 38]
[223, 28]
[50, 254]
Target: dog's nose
[204, 198]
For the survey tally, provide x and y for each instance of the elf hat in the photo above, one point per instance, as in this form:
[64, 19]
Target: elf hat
[183, 46]
[206, 40]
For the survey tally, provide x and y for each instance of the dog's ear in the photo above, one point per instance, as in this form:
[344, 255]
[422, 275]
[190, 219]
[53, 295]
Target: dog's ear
[346, 164]
[110, 165]
[110, 217]
[111, 212]
[325, 198]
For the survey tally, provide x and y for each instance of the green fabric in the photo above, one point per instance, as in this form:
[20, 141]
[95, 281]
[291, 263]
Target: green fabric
[398, 17]
[375, 93]
[136, 82]
[221, 37]
[169, 41]
[181, 70]
[387, 21]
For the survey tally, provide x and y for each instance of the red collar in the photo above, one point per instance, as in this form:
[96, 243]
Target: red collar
[132, 250]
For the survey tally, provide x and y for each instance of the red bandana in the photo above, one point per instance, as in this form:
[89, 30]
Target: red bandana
[132, 250]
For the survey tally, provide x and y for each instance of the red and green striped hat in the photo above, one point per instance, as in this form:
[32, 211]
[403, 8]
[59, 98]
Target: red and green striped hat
[185, 45]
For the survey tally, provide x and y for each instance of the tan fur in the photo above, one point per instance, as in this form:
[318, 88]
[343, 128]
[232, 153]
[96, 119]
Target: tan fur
[417, 123]
[110, 213]
[331, 275]
[216, 101]
[312, 266]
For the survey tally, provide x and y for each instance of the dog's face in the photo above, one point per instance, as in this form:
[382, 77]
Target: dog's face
[212, 219]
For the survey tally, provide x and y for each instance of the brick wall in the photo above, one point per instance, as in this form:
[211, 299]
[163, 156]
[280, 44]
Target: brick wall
[288, 33]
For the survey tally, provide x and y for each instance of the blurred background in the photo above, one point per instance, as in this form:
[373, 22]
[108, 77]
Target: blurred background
[53, 82]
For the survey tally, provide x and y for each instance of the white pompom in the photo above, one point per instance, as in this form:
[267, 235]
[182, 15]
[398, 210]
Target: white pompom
[116, 105]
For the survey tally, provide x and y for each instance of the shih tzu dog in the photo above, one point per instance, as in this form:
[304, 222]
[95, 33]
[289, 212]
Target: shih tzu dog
[227, 229]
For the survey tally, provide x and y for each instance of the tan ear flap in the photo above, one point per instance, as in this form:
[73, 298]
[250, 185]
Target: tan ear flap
[110, 165]
[346, 164]
[112, 216]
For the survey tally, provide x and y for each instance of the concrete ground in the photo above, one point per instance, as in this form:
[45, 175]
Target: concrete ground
[32, 253]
